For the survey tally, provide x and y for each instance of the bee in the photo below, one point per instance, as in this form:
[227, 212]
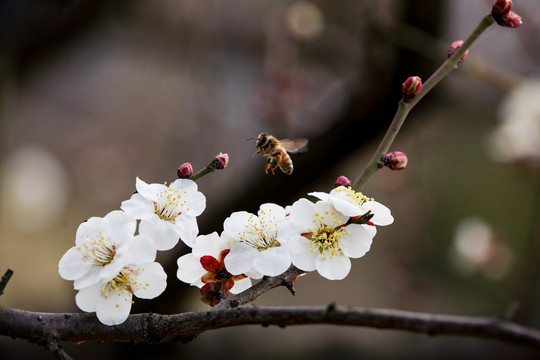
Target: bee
[275, 152]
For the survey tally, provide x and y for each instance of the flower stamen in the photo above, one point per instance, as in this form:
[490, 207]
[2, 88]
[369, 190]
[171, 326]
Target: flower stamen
[325, 238]
[99, 251]
[169, 204]
[351, 196]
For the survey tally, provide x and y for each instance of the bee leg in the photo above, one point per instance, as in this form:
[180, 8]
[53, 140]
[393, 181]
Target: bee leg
[268, 164]
[274, 166]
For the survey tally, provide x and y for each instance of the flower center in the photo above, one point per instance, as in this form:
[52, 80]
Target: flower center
[324, 236]
[169, 204]
[124, 281]
[98, 250]
[260, 233]
[351, 196]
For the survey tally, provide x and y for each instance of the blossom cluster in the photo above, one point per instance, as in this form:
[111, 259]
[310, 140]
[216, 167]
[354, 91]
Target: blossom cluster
[114, 256]
[321, 236]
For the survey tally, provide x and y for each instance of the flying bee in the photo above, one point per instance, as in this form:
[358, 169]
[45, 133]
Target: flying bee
[275, 152]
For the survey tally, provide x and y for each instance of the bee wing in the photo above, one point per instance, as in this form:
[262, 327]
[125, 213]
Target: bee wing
[294, 145]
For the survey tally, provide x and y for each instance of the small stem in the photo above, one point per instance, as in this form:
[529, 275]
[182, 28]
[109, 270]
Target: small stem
[452, 62]
[5, 280]
[405, 106]
[204, 171]
[375, 163]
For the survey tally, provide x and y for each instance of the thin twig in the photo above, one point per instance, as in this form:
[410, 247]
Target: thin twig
[5, 280]
[405, 107]
[266, 284]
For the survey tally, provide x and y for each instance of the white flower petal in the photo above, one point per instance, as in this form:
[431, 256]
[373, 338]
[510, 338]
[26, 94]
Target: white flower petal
[286, 230]
[272, 261]
[90, 278]
[300, 252]
[301, 216]
[149, 191]
[138, 206]
[271, 212]
[320, 195]
[163, 233]
[253, 274]
[91, 228]
[150, 280]
[71, 266]
[336, 268]
[381, 214]
[187, 228]
[235, 224]
[357, 243]
[121, 224]
[88, 298]
[142, 249]
[372, 230]
[346, 208]
[184, 185]
[190, 269]
[326, 209]
[197, 204]
[108, 272]
[240, 258]
[240, 285]
[114, 309]
[211, 244]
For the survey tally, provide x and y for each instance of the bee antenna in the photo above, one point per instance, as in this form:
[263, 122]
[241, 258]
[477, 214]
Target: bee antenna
[252, 138]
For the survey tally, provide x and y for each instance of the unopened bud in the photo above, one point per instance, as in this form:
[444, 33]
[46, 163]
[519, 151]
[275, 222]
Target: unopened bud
[454, 47]
[501, 7]
[411, 87]
[511, 20]
[185, 171]
[395, 160]
[342, 181]
[220, 161]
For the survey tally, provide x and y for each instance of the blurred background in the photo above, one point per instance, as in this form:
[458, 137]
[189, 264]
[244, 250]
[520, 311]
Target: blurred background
[96, 93]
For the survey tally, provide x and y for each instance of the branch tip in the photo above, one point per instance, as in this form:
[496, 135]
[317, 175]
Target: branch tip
[5, 279]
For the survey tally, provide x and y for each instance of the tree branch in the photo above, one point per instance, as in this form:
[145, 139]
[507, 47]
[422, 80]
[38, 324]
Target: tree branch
[155, 328]
[266, 284]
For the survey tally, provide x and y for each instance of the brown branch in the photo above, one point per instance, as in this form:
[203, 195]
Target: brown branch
[154, 328]
[56, 350]
[266, 284]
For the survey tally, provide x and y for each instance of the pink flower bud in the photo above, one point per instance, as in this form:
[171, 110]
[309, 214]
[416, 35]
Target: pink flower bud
[501, 7]
[411, 87]
[395, 160]
[511, 20]
[343, 181]
[454, 47]
[220, 161]
[185, 171]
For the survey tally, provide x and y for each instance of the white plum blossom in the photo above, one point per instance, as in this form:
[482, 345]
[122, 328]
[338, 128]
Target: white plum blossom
[353, 204]
[258, 250]
[320, 238]
[112, 300]
[103, 246]
[167, 213]
[517, 137]
[191, 270]
[109, 264]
